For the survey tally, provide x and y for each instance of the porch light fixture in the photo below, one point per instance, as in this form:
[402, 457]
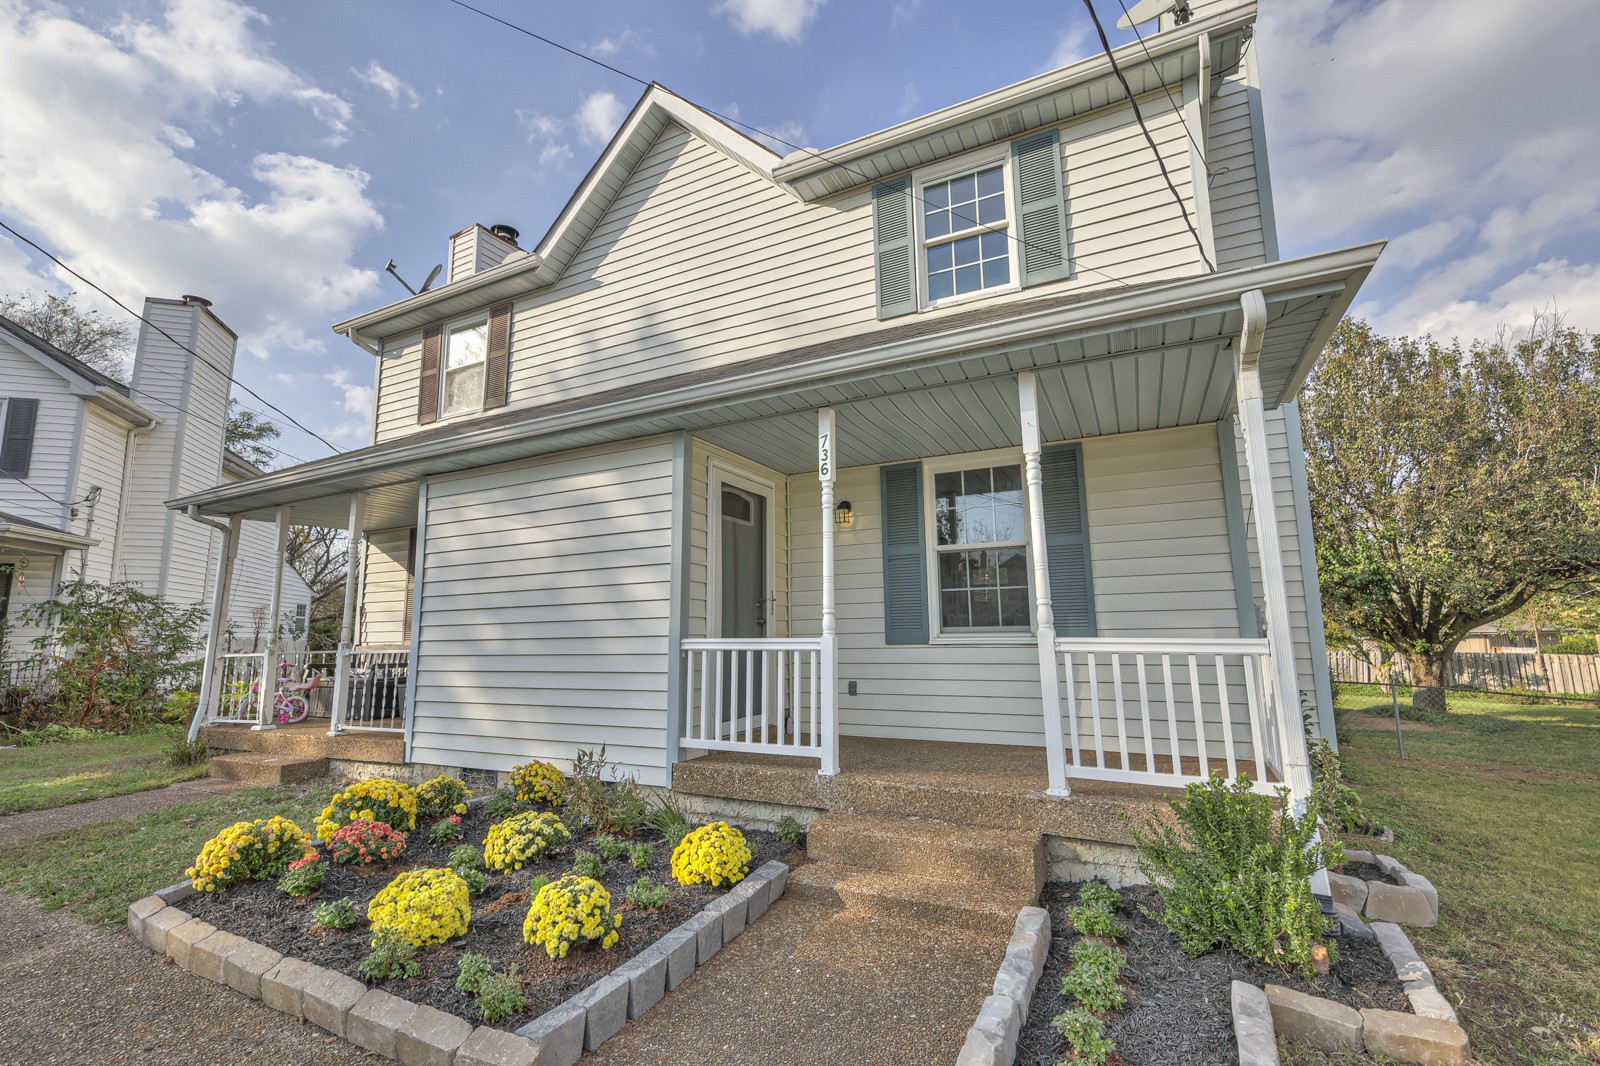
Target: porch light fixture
[843, 516]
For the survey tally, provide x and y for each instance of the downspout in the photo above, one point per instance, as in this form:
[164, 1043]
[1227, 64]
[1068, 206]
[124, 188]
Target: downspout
[134, 433]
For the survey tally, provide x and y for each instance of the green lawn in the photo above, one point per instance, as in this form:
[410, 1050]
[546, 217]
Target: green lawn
[1500, 806]
[98, 870]
[54, 775]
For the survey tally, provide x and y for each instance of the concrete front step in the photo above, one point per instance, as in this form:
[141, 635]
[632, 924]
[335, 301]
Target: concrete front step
[254, 768]
[899, 897]
[1001, 858]
[308, 740]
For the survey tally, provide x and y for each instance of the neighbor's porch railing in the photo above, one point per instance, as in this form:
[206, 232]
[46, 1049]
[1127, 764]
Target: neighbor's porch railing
[754, 695]
[1169, 712]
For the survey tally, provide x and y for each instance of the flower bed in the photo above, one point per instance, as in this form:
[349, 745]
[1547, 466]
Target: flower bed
[261, 913]
[1179, 1009]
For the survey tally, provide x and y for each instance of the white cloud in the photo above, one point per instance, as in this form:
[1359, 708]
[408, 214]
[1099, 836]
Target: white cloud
[783, 138]
[539, 127]
[598, 117]
[784, 19]
[93, 144]
[628, 39]
[1077, 42]
[905, 11]
[389, 84]
[553, 155]
[357, 398]
[1571, 290]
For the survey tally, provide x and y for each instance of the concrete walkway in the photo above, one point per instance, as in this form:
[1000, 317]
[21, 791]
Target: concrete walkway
[77, 815]
[807, 984]
[75, 994]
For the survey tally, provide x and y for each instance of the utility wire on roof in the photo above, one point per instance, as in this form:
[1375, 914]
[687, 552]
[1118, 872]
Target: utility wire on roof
[184, 347]
[1011, 235]
[1105, 43]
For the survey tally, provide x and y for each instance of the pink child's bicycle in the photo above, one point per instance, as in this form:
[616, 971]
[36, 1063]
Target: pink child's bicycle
[289, 703]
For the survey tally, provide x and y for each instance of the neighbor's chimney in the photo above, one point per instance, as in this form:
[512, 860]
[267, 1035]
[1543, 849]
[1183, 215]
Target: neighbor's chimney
[476, 249]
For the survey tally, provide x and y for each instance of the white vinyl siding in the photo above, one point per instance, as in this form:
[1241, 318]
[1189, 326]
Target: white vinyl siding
[695, 265]
[384, 581]
[1159, 544]
[1236, 221]
[105, 441]
[54, 435]
[544, 614]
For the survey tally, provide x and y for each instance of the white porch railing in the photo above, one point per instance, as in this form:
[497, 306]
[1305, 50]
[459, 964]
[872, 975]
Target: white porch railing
[1168, 712]
[238, 688]
[754, 695]
[375, 692]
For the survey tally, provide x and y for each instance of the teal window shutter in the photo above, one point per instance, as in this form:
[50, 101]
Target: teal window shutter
[1066, 538]
[905, 569]
[891, 245]
[1041, 208]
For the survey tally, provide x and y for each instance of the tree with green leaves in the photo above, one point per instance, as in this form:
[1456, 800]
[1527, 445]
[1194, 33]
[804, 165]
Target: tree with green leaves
[88, 336]
[248, 433]
[1450, 485]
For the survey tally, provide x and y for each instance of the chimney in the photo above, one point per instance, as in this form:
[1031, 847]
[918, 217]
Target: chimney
[476, 249]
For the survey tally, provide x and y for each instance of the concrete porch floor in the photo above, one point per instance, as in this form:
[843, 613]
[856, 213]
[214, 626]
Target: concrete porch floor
[992, 785]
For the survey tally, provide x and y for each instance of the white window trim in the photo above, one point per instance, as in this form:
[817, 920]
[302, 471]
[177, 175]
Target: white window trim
[951, 168]
[444, 357]
[720, 473]
[1018, 636]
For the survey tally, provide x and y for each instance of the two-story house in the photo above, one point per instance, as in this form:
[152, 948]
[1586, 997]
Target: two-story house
[87, 463]
[968, 435]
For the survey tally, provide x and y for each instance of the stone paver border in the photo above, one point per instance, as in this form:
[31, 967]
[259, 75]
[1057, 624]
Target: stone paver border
[1414, 901]
[1431, 1034]
[418, 1035]
[992, 1040]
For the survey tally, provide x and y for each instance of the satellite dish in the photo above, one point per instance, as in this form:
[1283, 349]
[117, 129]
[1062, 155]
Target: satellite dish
[432, 277]
[1150, 10]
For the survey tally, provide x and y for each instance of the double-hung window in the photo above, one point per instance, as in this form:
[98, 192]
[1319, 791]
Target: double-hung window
[980, 549]
[466, 351]
[966, 234]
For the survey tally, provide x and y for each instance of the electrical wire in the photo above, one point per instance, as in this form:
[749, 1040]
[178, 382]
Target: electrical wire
[1138, 115]
[1011, 235]
[184, 347]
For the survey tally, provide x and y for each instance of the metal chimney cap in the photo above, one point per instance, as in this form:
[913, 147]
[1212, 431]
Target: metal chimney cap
[201, 300]
[505, 232]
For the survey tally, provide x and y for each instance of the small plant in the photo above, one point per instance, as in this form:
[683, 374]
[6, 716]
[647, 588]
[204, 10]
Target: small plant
[669, 821]
[538, 782]
[392, 958]
[1103, 897]
[422, 907]
[1236, 870]
[639, 856]
[587, 864]
[1085, 1034]
[365, 843]
[790, 831]
[645, 894]
[445, 830]
[476, 879]
[246, 851]
[1339, 803]
[466, 857]
[340, 914]
[616, 807]
[377, 799]
[521, 839]
[610, 848]
[500, 996]
[304, 876]
[714, 854]
[537, 883]
[442, 796]
[503, 805]
[1093, 914]
[473, 969]
[571, 912]
[1092, 981]
[182, 753]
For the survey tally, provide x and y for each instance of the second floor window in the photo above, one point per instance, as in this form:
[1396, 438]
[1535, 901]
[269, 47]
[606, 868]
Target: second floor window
[966, 243]
[466, 350]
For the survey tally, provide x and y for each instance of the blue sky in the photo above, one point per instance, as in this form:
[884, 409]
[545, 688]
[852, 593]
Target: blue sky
[273, 157]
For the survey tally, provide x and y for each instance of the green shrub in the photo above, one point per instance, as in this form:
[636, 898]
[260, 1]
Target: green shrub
[393, 957]
[473, 968]
[340, 914]
[1092, 981]
[500, 996]
[1086, 1035]
[790, 831]
[616, 807]
[1339, 803]
[639, 856]
[587, 864]
[303, 877]
[1574, 644]
[1235, 871]
[476, 879]
[466, 857]
[1093, 921]
[503, 805]
[444, 831]
[610, 848]
[670, 822]
[1100, 896]
[537, 883]
[647, 895]
[55, 733]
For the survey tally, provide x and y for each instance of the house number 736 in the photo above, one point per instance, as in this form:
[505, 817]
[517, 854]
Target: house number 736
[824, 456]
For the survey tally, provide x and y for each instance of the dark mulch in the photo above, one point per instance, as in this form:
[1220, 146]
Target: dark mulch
[1368, 871]
[261, 913]
[1179, 1009]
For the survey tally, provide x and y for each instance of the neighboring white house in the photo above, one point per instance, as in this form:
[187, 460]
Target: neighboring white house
[952, 432]
[87, 464]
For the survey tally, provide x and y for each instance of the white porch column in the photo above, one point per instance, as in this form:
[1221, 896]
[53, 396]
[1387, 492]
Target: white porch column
[827, 451]
[1280, 637]
[269, 664]
[347, 623]
[220, 583]
[1045, 617]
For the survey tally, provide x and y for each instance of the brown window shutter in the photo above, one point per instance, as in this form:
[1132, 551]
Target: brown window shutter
[497, 371]
[428, 391]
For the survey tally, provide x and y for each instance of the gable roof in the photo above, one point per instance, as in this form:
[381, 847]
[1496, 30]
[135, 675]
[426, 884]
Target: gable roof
[27, 338]
[82, 379]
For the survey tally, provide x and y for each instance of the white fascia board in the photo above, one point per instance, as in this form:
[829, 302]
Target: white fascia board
[1207, 293]
[34, 537]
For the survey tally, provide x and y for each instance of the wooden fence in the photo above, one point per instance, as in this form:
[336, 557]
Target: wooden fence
[1499, 671]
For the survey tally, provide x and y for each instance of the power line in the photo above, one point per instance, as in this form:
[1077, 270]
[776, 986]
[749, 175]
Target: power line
[1139, 117]
[23, 482]
[184, 347]
[1010, 233]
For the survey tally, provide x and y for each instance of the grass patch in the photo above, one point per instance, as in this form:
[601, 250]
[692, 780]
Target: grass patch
[1497, 804]
[55, 775]
[98, 870]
